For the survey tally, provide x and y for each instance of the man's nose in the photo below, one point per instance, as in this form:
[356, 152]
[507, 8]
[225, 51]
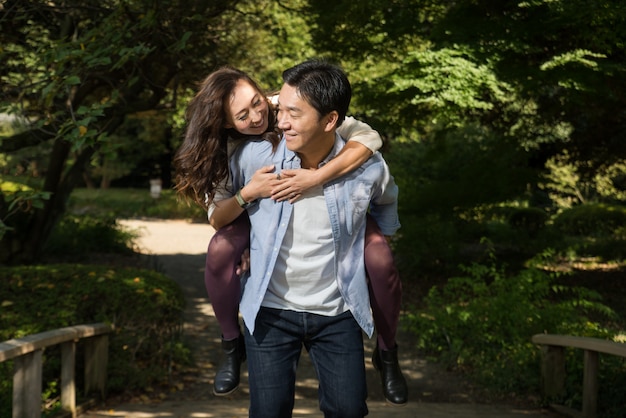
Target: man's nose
[281, 120]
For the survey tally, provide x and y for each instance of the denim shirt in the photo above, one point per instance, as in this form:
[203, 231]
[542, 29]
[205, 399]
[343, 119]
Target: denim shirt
[348, 199]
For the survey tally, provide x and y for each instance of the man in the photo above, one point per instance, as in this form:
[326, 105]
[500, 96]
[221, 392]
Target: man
[307, 283]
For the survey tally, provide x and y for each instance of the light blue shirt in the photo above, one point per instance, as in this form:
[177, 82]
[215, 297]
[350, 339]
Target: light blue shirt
[348, 199]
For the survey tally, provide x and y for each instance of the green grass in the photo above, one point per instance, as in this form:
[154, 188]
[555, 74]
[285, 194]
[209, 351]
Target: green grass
[132, 203]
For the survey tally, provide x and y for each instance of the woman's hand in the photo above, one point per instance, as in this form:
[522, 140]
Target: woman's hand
[293, 183]
[261, 184]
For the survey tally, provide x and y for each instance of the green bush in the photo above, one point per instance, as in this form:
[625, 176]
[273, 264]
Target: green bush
[607, 249]
[76, 237]
[482, 323]
[591, 220]
[146, 308]
[426, 244]
[530, 220]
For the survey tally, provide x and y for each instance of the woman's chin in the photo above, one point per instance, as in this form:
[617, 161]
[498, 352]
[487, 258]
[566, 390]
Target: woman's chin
[258, 131]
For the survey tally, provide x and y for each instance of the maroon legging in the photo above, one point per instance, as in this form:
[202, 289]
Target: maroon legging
[224, 288]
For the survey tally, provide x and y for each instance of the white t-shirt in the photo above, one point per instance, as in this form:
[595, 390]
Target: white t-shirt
[304, 277]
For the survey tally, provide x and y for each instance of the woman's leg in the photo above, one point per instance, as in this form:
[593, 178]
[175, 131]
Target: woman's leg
[385, 291]
[224, 290]
[222, 283]
[384, 285]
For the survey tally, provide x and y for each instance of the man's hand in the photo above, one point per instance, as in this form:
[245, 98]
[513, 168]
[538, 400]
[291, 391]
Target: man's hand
[244, 265]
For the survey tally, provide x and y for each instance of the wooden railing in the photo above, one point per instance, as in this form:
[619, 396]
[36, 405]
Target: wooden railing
[553, 368]
[27, 353]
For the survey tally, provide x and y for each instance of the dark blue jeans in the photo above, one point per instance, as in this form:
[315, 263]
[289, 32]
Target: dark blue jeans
[335, 345]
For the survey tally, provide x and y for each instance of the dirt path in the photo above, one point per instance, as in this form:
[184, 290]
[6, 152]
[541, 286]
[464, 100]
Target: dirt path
[179, 251]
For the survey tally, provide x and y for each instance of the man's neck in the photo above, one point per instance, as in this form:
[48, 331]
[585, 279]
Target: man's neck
[313, 157]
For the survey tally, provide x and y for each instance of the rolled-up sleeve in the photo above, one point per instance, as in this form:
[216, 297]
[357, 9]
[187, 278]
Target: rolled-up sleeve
[222, 192]
[355, 130]
[384, 205]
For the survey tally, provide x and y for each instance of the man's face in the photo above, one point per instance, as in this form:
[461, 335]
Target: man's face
[299, 121]
[247, 110]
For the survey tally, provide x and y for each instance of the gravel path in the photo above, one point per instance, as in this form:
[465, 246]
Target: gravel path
[179, 248]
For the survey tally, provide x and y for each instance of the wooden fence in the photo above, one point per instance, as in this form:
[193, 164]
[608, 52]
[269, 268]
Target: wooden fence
[553, 368]
[27, 353]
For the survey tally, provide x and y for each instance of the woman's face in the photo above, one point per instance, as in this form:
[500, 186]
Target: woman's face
[247, 110]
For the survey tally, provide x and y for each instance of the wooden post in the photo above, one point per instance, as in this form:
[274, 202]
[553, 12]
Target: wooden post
[27, 385]
[553, 371]
[590, 384]
[96, 359]
[68, 383]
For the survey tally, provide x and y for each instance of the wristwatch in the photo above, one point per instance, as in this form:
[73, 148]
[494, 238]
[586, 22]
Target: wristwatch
[240, 200]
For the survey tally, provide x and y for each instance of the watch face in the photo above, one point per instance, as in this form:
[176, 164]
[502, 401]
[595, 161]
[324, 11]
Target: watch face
[240, 200]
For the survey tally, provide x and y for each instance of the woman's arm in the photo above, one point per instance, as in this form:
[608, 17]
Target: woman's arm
[363, 141]
[230, 206]
[223, 212]
[354, 130]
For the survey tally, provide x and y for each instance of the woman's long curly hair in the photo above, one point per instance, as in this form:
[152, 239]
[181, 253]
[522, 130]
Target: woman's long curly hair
[201, 162]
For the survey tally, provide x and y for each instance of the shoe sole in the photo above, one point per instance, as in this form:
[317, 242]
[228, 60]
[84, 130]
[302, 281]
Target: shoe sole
[225, 393]
[397, 405]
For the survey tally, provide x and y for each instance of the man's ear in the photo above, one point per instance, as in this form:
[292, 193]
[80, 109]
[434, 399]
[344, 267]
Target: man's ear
[331, 120]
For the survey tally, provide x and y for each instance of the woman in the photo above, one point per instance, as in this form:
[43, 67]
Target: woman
[229, 108]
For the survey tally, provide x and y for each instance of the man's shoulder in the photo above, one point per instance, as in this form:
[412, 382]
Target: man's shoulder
[254, 143]
[251, 147]
[375, 162]
[372, 170]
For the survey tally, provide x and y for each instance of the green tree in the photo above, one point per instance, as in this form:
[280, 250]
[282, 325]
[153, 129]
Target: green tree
[545, 77]
[76, 71]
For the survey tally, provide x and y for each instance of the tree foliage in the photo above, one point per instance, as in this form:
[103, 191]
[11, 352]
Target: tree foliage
[75, 72]
[543, 78]
[513, 85]
[96, 87]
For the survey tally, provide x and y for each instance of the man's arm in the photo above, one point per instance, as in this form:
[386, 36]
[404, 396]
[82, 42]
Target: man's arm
[384, 203]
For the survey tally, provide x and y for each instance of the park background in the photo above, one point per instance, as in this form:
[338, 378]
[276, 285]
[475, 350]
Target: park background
[504, 126]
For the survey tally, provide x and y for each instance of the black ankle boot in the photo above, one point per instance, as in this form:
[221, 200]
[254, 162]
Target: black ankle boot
[227, 377]
[394, 385]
